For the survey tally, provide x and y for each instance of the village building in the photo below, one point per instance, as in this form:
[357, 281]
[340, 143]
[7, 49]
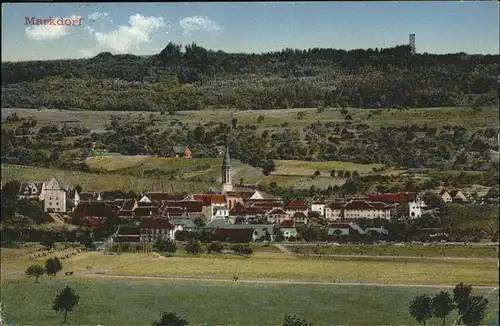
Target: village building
[356, 209]
[54, 197]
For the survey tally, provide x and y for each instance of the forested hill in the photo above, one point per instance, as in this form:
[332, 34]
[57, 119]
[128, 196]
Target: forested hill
[193, 78]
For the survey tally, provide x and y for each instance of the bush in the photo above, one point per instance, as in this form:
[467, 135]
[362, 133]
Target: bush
[193, 247]
[164, 245]
[242, 250]
[215, 247]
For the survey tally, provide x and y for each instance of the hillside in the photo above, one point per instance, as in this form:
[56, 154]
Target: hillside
[194, 78]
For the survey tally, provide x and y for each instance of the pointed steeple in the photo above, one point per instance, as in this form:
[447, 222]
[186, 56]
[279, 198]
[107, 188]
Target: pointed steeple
[226, 172]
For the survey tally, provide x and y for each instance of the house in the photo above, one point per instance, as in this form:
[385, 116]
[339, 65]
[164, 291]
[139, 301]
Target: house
[299, 218]
[183, 225]
[276, 215]
[211, 204]
[334, 211]
[32, 190]
[220, 212]
[152, 229]
[296, 205]
[233, 235]
[390, 198]
[126, 234]
[445, 196]
[458, 197]
[183, 151]
[338, 230]
[416, 207]
[259, 230]
[54, 197]
[287, 228]
[356, 209]
[233, 197]
[151, 197]
[145, 211]
[95, 209]
[318, 207]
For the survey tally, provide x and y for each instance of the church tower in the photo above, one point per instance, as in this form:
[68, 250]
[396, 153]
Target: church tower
[226, 172]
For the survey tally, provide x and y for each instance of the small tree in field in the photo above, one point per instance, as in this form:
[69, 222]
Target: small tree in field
[53, 266]
[295, 321]
[442, 305]
[474, 314]
[170, 319]
[163, 245]
[421, 308]
[215, 247]
[193, 247]
[66, 301]
[36, 271]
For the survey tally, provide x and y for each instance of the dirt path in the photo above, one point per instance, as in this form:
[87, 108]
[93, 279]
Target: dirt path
[284, 249]
[275, 281]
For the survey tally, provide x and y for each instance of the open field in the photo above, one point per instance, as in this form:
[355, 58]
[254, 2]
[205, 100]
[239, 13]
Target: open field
[219, 304]
[101, 182]
[282, 266]
[96, 120]
[17, 260]
[416, 250]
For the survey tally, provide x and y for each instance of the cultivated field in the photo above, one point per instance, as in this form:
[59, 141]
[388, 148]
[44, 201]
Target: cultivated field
[106, 302]
[96, 120]
[415, 250]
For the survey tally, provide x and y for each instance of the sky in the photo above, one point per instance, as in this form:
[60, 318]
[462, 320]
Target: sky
[251, 27]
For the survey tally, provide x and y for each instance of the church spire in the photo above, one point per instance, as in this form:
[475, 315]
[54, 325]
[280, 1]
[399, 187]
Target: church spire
[226, 172]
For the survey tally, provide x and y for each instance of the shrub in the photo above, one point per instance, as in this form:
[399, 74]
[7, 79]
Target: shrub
[215, 247]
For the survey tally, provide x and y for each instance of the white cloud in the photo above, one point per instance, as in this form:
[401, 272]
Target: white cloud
[198, 23]
[126, 37]
[87, 53]
[98, 15]
[49, 32]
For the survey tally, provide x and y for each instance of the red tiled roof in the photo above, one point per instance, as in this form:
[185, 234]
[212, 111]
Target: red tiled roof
[190, 206]
[161, 196]
[240, 194]
[92, 221]
[233, 232]
[393, 198]
[287, 223]
[209, 199]
[277, 211]
[335, 205]
[155, 223]
[364, 205]
[146, 210]
[95, 208]
[125, 213]
[299, 215]
[297, 204]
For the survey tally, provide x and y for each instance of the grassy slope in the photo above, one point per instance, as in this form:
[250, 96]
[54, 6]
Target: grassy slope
[432, 117]
[140, 303]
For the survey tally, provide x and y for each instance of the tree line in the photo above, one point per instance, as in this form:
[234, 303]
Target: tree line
[193, 77]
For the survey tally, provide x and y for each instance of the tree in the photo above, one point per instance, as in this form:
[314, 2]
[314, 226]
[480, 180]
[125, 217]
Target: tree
[347, 175]
[278, 235]
[355, 174]
[36, 271]
[66, 301]
[461, 298]
[332, 173]
[442, 305]
[234, 123]
[215, 247]
[295, 321]
[165, 245]
[260, 118]
[53, 266]
[421, 308]
[193, 247]
[170, 319]
[317, 173]
[9, 198]
[474, 314]
[268, 167]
